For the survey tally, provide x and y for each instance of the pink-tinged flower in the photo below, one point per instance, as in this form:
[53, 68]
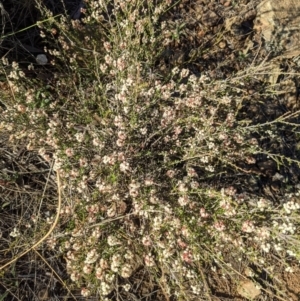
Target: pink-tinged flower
[220, 226]
[182, 187]
[146, 240]
[69, 152]
[203, 213]
[99, 273]
[224, 204]
[96, 141]
[21, 108]
[253, 141]
[183, 200]
[187, 256]
[109, 160]
[133, 189]
[103, 264]
[121, 64]
[111, 211]
[148, 182]
[149, 261]
[230, 191]
[83, 162]
[75, 276]
[248, 227]
[194, 185]
[181, 243]
[250, 160]
[184, 73]
[87, 269]
[134, 193]
[185, 231]
[126, 271]
[118, 122]
[192, 172]
[171, 173]
[85, 292]
[121, 157]
[107, 46]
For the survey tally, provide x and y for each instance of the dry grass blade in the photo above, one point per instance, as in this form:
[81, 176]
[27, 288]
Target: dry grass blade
[55, 222]
[54, 272]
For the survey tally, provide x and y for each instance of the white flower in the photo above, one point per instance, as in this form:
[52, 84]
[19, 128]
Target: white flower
[196, 289]
[182, 187]
[15, 233]
[290, 206]
[113, 241]
[220, 226]
[289, 270]
[278, 247]
[79, 137]
[105, 288]
[266, 247]
[85, 292]
[149, 261]
[143, 131]
[127, 287]
[211, 145]
[287, 228]
[69, 152]
[91, 257]
[99, 273]
[129, 255]
[248, 227]
[97, 142]
[291, 253]
[112, 210]
[133, 189]
[87, 269]
[120, 142]
[146, 240]
[116, 262]
[210, 168]
[124, 167]
[183, 200]
[184, 73]
[75, 276]
[262, 204]
[96, 233]
[175, 70]
[170, 173]
[204, 159]
[263, 233]
[126, 271]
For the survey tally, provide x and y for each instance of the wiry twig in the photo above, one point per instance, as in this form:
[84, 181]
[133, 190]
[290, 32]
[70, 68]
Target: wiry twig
[53, 271]
[35, 245]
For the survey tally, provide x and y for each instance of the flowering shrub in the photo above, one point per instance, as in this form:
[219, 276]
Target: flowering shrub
[136, 151]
